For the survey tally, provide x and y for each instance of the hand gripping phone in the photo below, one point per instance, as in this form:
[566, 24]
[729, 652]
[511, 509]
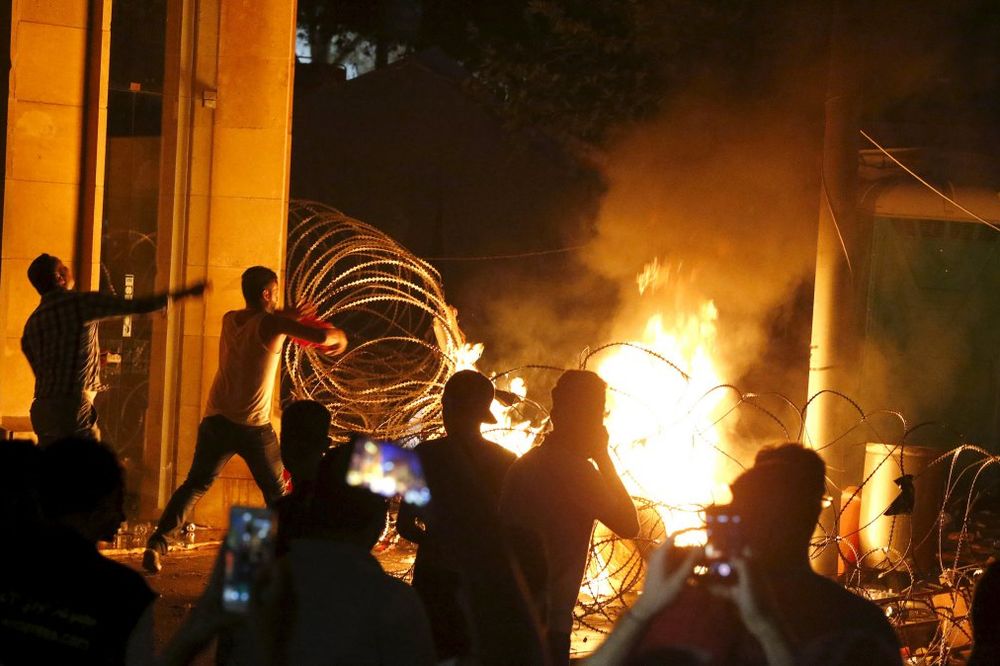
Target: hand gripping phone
[725, 538]
[249, 545]
[387, 469]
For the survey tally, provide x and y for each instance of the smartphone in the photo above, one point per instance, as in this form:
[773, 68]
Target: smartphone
[387, 469]
[724, 532]
[249, 545]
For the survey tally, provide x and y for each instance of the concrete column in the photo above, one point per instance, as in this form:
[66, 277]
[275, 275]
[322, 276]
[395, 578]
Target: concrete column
[224, 202]
[87, 262]
[5, 64]
[837, 313]
[50, 184]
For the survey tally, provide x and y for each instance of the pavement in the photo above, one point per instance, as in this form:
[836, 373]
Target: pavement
[185, 574]
[179, 585]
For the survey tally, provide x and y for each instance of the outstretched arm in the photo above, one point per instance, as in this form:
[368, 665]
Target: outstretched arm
[282, 323]
[94, 306]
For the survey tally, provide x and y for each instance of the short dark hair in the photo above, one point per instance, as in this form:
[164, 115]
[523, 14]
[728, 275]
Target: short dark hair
[78, 473]
[575, 386]
[809, 471]
[577, 394]
[785, 487]
[19, 500]
[339, 508]
[255, 279]
[305, 424]
[42, 273]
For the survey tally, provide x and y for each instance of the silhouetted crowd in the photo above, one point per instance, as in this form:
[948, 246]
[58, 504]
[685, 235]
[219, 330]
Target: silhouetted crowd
[493, 582]
[502, 545]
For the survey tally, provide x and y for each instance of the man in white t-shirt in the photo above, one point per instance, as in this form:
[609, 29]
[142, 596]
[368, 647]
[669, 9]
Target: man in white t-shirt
[238, 415]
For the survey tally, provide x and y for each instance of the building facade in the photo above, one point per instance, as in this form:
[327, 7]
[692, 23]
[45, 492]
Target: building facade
[147, 145]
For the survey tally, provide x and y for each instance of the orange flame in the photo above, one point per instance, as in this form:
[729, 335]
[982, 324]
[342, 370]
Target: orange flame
[660, 414]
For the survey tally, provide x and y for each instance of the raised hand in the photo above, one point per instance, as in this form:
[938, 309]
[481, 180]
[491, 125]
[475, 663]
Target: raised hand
[752, 599]
[666, 574]
[336, 341]
[301, 311]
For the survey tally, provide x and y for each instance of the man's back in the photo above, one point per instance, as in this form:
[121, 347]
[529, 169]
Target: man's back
[826, 624]
[554, 492]
[454, 468]
[349, 611]
[489, 462]
[65, 603]
[556, 495]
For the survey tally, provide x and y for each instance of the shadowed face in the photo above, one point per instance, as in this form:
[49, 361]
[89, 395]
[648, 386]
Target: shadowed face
[63, 276]
[109, 515]
[270, 296]
[778, 516]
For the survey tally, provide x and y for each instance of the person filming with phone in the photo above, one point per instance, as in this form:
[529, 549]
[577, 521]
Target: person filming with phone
[326, 600]
[754, 600]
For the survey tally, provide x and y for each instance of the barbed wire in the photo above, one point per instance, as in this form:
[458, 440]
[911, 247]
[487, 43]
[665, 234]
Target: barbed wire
[406, 342]
[403, 335]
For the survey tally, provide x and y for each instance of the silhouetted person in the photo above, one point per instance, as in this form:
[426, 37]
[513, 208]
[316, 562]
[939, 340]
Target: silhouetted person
[60, 343]
[305, 427]
[330, 601]
[338, 583]
[986, 619]
[777, 612]
[556, 491]
[20, 501]
[238, 415]
[436, 574]
[305, 437]
[61, 601]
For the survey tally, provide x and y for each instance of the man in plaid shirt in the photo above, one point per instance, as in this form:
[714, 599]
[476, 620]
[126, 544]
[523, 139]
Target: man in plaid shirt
[60, 342]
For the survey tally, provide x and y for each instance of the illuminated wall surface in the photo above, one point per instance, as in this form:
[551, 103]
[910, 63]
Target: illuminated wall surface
[932, 341]
[42, 185]
[148, 144]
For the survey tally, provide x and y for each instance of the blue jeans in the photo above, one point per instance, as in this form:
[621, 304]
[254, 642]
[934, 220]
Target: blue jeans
[218, 440]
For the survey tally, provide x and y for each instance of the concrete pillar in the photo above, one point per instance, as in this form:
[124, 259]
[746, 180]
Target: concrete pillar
[53, 162]
[87, 262]
[5, 64]
[837, 314]
[223, 207]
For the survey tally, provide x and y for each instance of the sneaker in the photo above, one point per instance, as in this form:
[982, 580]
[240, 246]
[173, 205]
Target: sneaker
[151, 561]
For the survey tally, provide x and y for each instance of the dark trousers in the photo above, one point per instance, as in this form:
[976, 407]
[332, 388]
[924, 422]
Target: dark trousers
[559, 643]
[440, 591]
[55, 418]
[218, 440]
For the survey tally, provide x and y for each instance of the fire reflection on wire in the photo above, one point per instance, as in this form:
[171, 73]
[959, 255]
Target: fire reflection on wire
[406, 342]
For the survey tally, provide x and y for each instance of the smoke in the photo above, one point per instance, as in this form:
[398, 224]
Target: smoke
[546, 313]
[724, 197]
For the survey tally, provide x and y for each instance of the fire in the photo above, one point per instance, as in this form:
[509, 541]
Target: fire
[512, 431]
[660, 417]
